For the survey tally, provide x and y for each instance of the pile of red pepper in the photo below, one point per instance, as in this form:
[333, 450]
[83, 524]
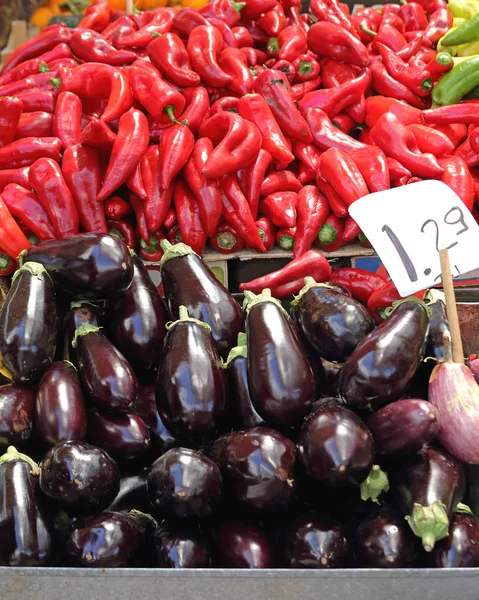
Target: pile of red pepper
[242, 123]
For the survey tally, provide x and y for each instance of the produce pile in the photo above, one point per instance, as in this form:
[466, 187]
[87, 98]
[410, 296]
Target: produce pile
[241, 124]
[189, 432]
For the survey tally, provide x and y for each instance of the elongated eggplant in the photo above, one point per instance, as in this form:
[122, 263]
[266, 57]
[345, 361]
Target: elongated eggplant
[136, 321]
[189, 282]
[403, 427]
[83, 479]
[257, 467]
[25, 539]
[132, 493]
[428, 487]
[191, 384]
[80, 313]
[17, 407]
[60, 410]
[181, 546]
[105, 373]
[332, 322]
[244, 546]
[384, 541]
[461, 547]
[280, 378]
[90, 266]
[334, 445]
[124, 436]
[28, 324]
[380, 368]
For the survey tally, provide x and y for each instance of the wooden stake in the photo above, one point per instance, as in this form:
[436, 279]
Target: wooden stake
[451, 308]
[129, 7]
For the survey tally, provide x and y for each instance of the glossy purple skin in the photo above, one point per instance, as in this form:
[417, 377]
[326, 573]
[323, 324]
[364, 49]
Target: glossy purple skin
[184, 483]
[60, 410]
[191, 384]
[132, 494]
[403, 427]
[331, 376]
[334, 445]
[257, 467]
[82, 478]
[244, 546]
[90, 266]
[124, 436]
[83, 314]
[17, 407]
[281, 381]
[384, 540]
[136, 321]
[461, 548]
[106, 375]
[25, 539]
[181, 547]
[244, 415]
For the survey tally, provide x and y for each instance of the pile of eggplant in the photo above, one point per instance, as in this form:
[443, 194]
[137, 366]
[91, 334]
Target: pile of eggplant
[190, 431]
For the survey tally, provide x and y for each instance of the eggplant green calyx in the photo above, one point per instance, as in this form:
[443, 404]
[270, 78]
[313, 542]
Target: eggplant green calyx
[389, 311]
[138, 513]
[84, 329]
[241, 349]
[175, 251]
[185, 318]
[13, 454]
[430, 523]
[250, 299]
[463, 509]
[309, 283]
[80, 303]
[374, 485]
[36, 269]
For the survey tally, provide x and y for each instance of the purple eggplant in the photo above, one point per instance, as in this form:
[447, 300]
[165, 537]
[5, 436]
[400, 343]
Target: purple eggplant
[28, 324]
[332, 322]
[106, 375]
[125, 436]
[80, 313]
[181, 547]
[461, 548]
[191, 384]
[334, 445]
[132, 494]
[380, 368]
[60, 410]
[25, 539]
[17, 407]
[83, 479]
[189, 282]
[244, 546]
[403, 427]
[331, 376]
[428, 487]
[257, 467]
[90, 266]
[184, 483]
[280, 378]
[136, 321]
[384, 541]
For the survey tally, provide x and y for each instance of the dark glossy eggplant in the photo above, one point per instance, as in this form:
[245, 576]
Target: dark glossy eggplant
[90, 266]
[380, 368]
[244, 546]
[331, 376]
[461, 548]
[125, 436]
[25, 539]
[403, 427]
[28, 324]
[332, 322]
[80, 313]
[314, 542]
[334, 445]
[257, 467]
[428, 487]
[189, 282]
[107, 376]
[384, 541]
[60, 410]
[181, 547]
[184, 483]
[281, 381]
[132, 493]
[82, 478]
[17, 407]
[191, 384]
[136, 321]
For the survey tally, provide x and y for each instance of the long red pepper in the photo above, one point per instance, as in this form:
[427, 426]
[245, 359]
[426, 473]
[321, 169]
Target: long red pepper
[280, 208]
[12, 238]
[376, 106]
[204, 47]
[456, 132]
[35, 65]
[10, 112]
[157, 200]
[398, 174]
[431, 140]
[40, 81]
[343, 174]
[466, 112]
[359, 282]
[169, 55]
[160, 24]
[335, 73]
[313, 209]
[330, 39]
[456, 175]
[24, 152]
[233, 62]
[307, 153]
[18, 176]
[417, 80]
[386, 85]
[176, 146]
[292, 42]
[351, 230]
[186, 19]
[197, 109]
[229, 40]
[337, 205]
[90, 46]
[123, 230]
[38, 101]
[274, 21]
[373, 166]
[67, 119]
[251, 179]
[141, 225]
[97, 16]
[228, 11]
[34, 124]
[25, 206]
[280, 181]
[189, 217]
[98, 135]
[326, 135]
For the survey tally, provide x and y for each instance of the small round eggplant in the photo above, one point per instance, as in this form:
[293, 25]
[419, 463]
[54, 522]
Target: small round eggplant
[257, 467]
[244, 546]
[125, 436]
[461, 548]
[17, 407]
[80, 313]
[106, 375]
[181, 547]
[132, 494]
[384, 541]
[334, 445]
[60, 411]
[83, 479]
[403, 427]
[136, 321]
[184, 483]
[90, 266]
[332, 322]
[28, 324]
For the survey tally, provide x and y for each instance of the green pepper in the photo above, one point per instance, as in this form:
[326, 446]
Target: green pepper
[469, 32]
[458, 82]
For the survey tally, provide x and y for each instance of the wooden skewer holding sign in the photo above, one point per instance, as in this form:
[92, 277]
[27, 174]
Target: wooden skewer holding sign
[129, 7]
[451, 308]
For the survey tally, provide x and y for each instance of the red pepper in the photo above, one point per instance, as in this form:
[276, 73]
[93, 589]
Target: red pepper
[67, 119]
[187, 19]
[474, 139]
[363, 25]
[18, 176]
[123, 231]
[141, 226]
[233, 62]
[372, 164]
[351, 230]
[422, 57]
[299, 90]
[90, 46]
[360, 283]
[466, 112]
[334, 74]
[285, 67]
[98, 135]
[7, 265]
[24, 152]
[35, 124]
[365, 136]
[343, 174]
[398, 174]
[389, 36]
[170, 218]
[292, 42]
[280, 181]
[160, 24]
[157, 200]
[153, 252]
[456, 132]
[135, 183]
[306, 68]
[313, 209]
[431, 140]
[326, 135]
[198, 107]
[416, 79]
[116, 208]
[12, 238]
[280, 208]
[64, 63]
[204, 47]
[376, 106]
[188, 214]
[273, 21]
[253, 9]
[41, 100]
[97, 16]
[267, 231]
[393, 20]
[330, 236]
[228, 11]
[174, 235]
[439, 24]
[226, 239]
[307, 154]
[384, 84]
[306, 175]
[25, 206]
[383, 298]
[40, 81]
[251, 179]
[10, 113]
[169, 55]
[330, 11]
[456, 175]
[388, 9]
[119, 28]
[254, 56]
[243, 37]
[466, 152]
[440, 64]
[229, 40]
[414, 16]
[336, 204]
[330, 39]
[410, 49]
[36, 65]
[176, 146]
[229, 103]
[285, 237]
[344, 122]
[295, 17]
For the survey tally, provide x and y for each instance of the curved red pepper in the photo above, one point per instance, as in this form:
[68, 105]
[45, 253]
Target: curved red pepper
[176, 146]
[343, 174]
[439, 24]
[141, 225]
[10, 113]
[229, 103]
[229, 40]
[383, 298]
[228, 11]
[313, 209]
[97, 16]
[204, 46]
[12, 238]
[135, 183]
[116, 208]
[161, 23]
[197, 108]
[118, 29]
[173, 234]
[253, 9]
[267, 232]
[431, 140]
[243, 37]
[306, 175]
[333, 40]
[326, 135]
[359, 282]
[466, 112]
[273, 21]
[292, 43]
[234, 63]
[98, 135]
[416, 79]
[170, 218]
[40, 81]
[301, 89]
[334, 74]
[456, 132]
[90, 46]
[372, 164]
[251, 179]
[331, 11]
[41, 100]
[157, 200]
[67, 119]
[18, 176]
[123, 231]
[24, 152]
[457, 176]
[186, 19]
[25, 206]
[226, 239]
[254, 56]
[280, 181]
[338, 207]
[384, 84]
[398, 174]
[35, 65]
[280, 208]
[189, 217]
[376, 106]
[308, 154]
[169, 55]
[34, 124]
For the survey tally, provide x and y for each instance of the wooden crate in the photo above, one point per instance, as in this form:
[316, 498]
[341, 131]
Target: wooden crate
[21, 32]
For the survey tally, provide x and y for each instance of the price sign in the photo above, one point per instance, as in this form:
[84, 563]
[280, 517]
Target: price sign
[407, 226]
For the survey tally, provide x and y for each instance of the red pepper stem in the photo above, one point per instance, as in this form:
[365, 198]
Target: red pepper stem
[443, 58]
[426, 84]
[368, 31]
[152, 246]
[56, 82]
[170, 111]
[273, 45]
[238, 6]
[327, 235]
[5, 261]
[226, 240]
[286, 242]
[305, 67]
[43, 68]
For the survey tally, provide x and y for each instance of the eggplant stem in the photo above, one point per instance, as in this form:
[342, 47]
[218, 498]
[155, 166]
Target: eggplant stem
[374, 485]
[34, 268]
[430, 523]
[12, 453]
[185, 318]
[240, 350]
[84, 329]
[175, 251]
[251, 299]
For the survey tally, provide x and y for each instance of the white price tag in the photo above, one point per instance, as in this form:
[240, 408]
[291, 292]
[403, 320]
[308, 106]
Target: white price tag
[407, 226]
